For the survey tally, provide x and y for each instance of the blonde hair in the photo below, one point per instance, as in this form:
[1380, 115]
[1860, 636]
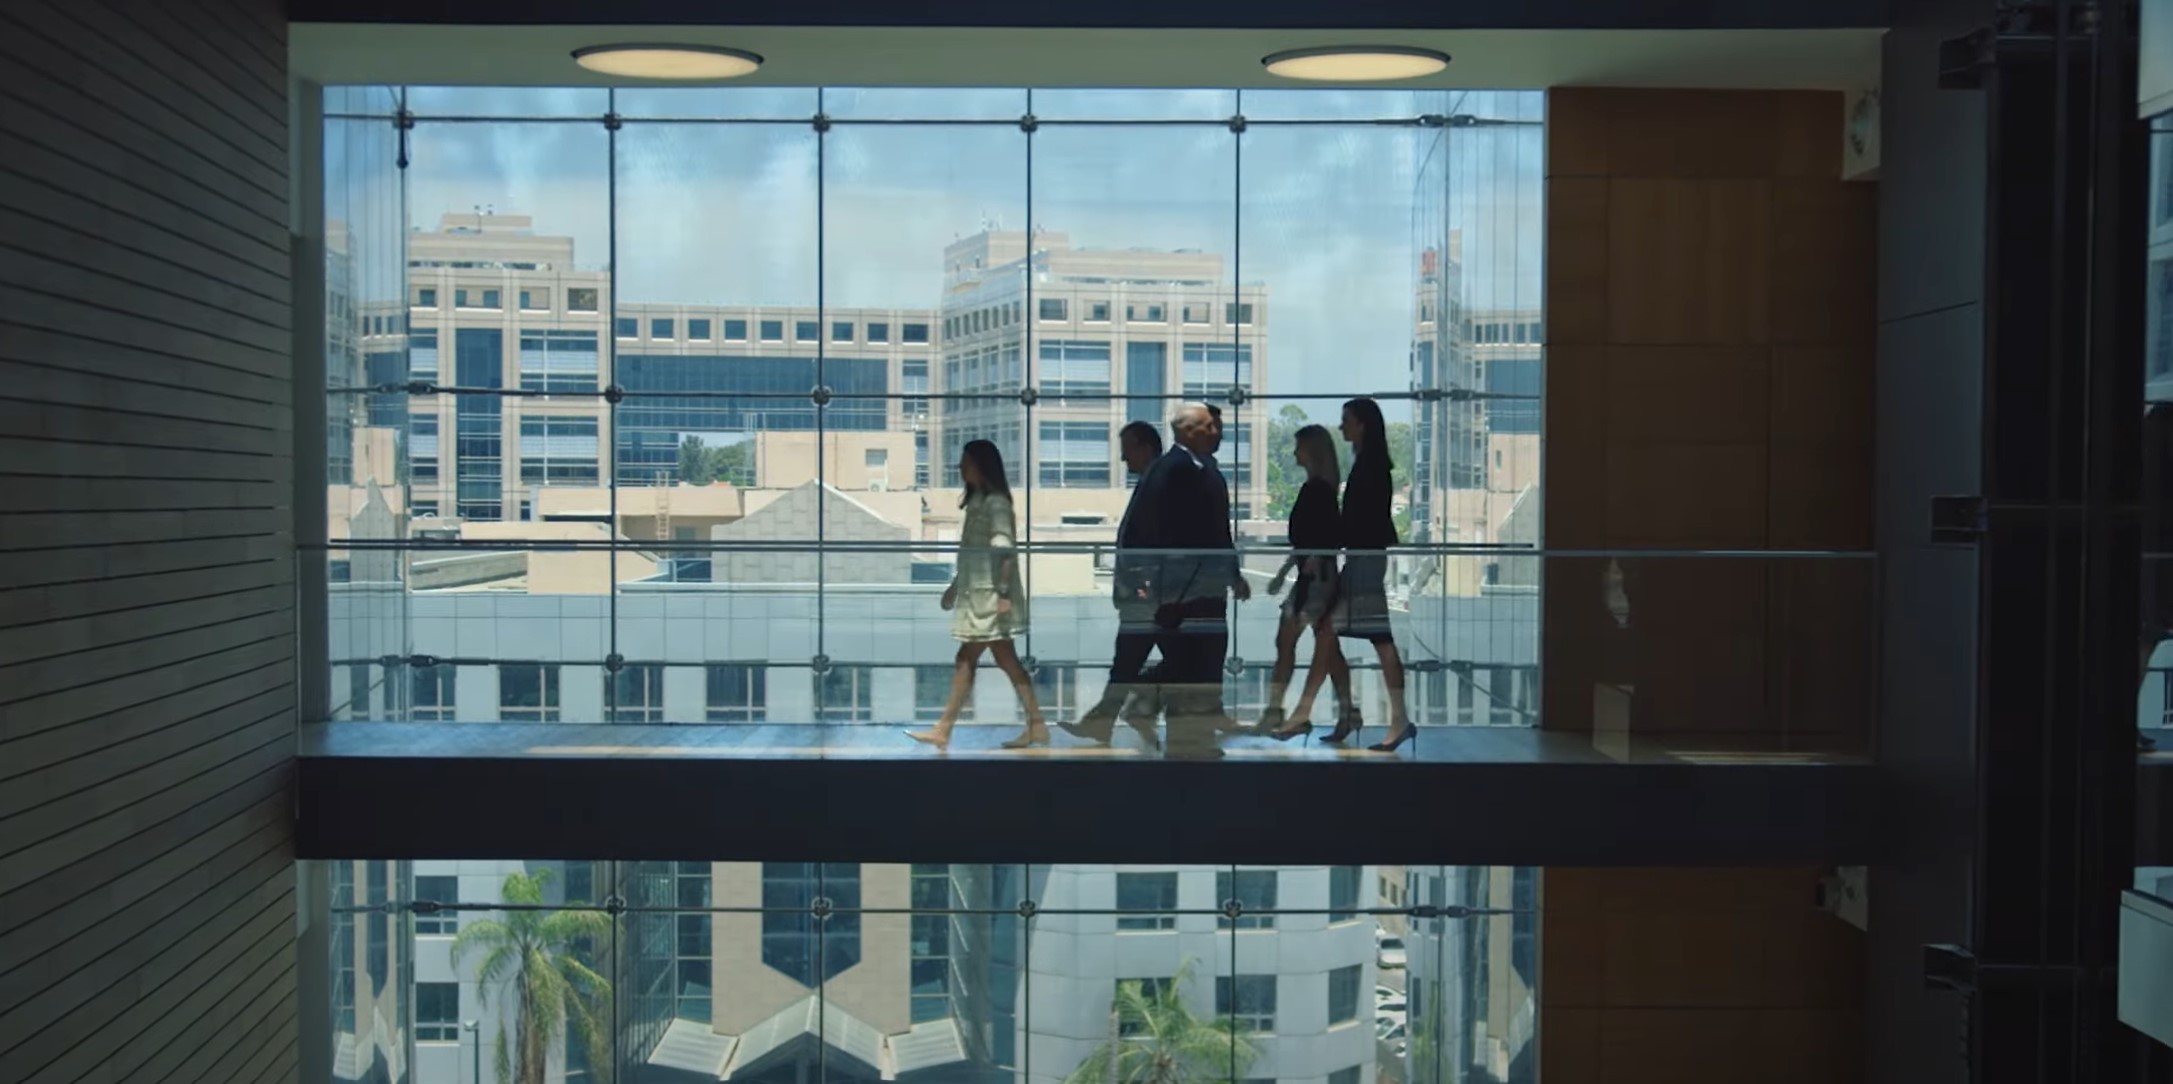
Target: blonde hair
[1316, 449]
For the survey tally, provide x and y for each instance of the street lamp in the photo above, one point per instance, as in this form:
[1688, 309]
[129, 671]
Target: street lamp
[475, 1028]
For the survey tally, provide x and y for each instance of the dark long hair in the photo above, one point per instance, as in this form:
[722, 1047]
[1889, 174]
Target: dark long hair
[987, 462]
[1375, 448]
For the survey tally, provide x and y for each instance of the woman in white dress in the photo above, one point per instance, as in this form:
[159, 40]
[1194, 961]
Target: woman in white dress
[988, 607]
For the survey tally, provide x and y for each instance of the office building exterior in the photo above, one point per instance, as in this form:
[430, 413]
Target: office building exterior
[494, 306]
[1104, 338]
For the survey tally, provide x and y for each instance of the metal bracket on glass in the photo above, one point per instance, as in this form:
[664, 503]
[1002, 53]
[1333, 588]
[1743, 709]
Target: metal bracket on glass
[614, 662]
[612, 122]
[1031, 663]
[614, 395]
[412, 387]
[1433, 120]
[615, 904]
[820, 664]
[1427, 666]
[1028, 908]
[1435, 910]
[403, 122]
[1028, 396]
[1429, 395]
[1237, 124]
[1029, 123]
[1238, 395]
[821, 121]
[425, 907]
[413, 662]
[819, 395]
[1234, 665]
[819, 907]
[1232, 910]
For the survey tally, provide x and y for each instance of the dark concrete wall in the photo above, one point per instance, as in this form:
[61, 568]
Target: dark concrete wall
[1930, 441]
[147, 664]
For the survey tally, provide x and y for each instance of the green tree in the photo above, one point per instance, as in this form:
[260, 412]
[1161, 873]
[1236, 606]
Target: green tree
[734, 462]
[1284, 474]
[1154, 1038]
[696, 468]
[1403, 448]
[534, 956]
[701, 465]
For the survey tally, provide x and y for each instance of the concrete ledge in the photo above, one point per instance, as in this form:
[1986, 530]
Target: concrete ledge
[867, 794]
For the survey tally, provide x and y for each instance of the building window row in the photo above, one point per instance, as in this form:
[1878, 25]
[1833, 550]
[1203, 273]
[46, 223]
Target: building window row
[1058, 310]
[531, 298]
[966, 324]
[703, 329]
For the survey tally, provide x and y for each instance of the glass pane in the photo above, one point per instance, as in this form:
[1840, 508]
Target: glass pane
[541, 102]
[1099, 104]
[716, 103]
[931, 969]
[368, 446]
[715, 440]
[924, 103]
[1340, 105]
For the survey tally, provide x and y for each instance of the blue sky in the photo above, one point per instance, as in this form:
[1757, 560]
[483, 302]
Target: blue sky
[1330, 217]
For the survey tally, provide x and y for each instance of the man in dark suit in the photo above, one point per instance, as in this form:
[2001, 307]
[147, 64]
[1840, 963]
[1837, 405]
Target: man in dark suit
[1132, 591]
[1183, 504]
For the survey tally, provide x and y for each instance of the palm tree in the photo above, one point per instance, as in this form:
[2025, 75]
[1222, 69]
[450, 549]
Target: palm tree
[537, 953]
[1155, 1039]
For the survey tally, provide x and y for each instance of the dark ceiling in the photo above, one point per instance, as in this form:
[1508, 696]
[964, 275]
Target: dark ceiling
[1198, 14]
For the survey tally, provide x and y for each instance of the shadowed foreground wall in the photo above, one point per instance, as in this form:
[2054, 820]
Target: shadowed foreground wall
[147, 705]
[1711, 330]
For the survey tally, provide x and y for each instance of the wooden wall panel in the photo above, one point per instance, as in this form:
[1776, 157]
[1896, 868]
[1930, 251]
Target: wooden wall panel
[147, 656]
[1710, 296]
[1692, 976]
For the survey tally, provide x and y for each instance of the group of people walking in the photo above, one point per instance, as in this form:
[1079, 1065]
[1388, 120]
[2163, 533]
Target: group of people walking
[1177, 569]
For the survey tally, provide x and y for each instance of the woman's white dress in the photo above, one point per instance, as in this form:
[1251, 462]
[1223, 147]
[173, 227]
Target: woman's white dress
[986, 539]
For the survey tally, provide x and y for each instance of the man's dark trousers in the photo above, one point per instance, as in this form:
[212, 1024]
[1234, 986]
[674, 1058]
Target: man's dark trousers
[1193, 647]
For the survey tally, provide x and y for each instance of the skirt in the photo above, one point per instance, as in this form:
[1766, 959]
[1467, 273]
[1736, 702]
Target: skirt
[975, 620]
[1311, 595]
[1361, 607]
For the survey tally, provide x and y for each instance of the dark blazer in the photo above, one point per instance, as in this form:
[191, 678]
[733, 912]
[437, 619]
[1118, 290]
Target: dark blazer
[1183, 503]
[1132, 573]
[1368, 523]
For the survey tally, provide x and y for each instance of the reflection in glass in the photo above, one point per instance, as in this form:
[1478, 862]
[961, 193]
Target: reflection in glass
[932, 971]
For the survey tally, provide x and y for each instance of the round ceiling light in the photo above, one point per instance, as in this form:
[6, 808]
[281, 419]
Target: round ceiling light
[1355, 63]
[668, 61]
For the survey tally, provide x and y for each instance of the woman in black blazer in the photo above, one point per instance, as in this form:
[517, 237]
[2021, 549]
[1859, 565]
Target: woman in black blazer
[1315, 534]
[1369, 529]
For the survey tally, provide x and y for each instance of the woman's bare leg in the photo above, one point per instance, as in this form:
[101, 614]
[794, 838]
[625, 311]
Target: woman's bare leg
[961, 688]
[1007, 660]
[1286, 661]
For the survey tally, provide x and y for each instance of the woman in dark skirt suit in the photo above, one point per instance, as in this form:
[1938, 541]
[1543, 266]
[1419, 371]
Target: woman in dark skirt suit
[1369, 529]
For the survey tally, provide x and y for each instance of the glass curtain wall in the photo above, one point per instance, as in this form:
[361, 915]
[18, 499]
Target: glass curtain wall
[688, 372]
[370, 438]
[669, 971]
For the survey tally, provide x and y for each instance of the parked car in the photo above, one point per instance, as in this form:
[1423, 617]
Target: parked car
[1391, 953]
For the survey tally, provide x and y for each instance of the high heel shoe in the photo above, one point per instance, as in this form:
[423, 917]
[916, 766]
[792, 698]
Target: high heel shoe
[1034, 734]
[1347, 726]
[1409, 734]
[1300, 729]
[1272, 722]
[940, 738]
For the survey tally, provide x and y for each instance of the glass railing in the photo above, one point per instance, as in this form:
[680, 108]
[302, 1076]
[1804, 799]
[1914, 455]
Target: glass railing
[1748, 653]
[665, 971]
